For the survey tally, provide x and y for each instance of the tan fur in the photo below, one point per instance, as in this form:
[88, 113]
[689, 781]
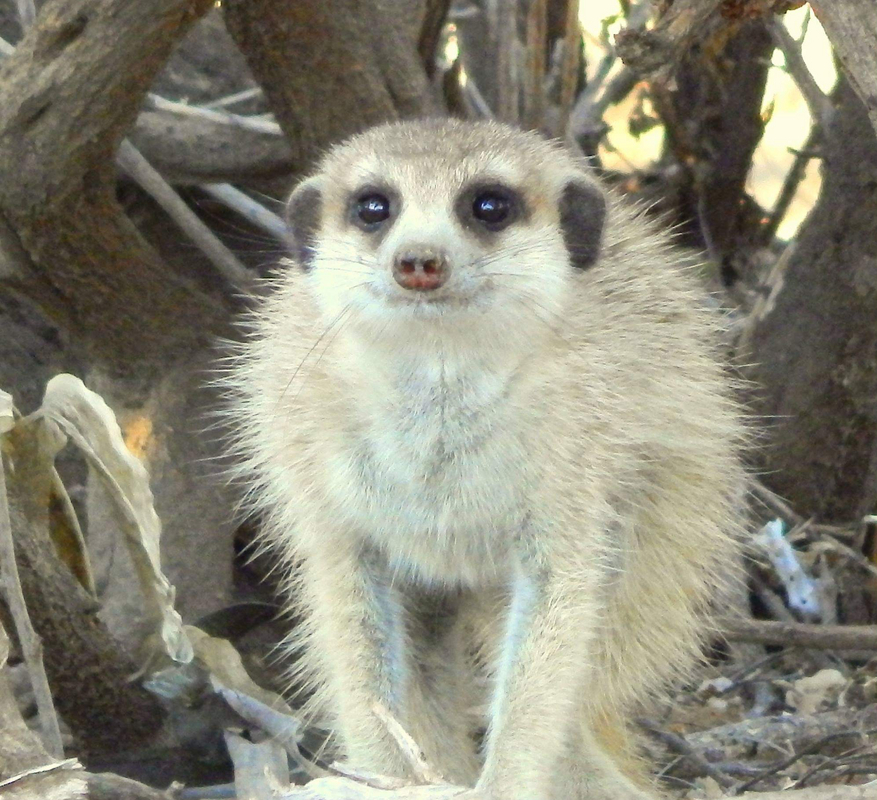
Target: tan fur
[518, 501]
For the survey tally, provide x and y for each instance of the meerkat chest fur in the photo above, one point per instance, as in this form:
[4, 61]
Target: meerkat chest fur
[435, 461]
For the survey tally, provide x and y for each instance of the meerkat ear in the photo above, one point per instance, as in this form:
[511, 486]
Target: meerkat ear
[303, 212]
[582, 214]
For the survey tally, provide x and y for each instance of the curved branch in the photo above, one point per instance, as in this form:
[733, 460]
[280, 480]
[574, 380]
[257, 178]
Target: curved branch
[66, 101]
[189, 150]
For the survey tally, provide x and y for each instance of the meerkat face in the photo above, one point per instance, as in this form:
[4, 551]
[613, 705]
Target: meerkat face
[435, 224]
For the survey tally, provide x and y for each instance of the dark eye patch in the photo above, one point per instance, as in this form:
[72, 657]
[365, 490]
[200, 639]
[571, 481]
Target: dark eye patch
[489, 207]
[582, 214]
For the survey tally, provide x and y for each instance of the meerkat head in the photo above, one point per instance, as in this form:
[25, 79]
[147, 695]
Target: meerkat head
[445, 227]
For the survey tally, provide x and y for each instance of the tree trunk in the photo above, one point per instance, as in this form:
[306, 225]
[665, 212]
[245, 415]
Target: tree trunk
[814, 351]
[713, 118]
[67, 99]
[333, 68]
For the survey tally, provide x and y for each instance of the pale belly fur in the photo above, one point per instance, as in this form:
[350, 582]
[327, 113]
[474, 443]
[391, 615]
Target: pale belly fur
[438, 481]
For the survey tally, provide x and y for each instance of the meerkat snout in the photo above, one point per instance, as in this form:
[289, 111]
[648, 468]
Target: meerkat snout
[421, 269]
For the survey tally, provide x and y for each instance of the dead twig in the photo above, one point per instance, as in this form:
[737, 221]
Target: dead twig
[800, 634]
[27, 12]
[849, 553]
[817, 101]
[678, 744]
[814, 747]
[31, 646]
[66, 764]
[223, 117]
[791, 182]
[234, 99]
[774, 502]
[148, 178]
[842, 760]
[248, 208]
[586, 125]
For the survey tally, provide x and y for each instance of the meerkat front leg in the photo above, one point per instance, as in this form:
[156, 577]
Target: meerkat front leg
[551, 624]
[443, 689]
[357, 643]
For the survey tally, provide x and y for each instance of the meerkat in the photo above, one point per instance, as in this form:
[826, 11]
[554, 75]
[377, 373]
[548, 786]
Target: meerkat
[484, 411]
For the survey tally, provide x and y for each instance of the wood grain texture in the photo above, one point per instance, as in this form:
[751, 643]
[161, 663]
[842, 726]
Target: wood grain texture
[66, 101]
[851, 25]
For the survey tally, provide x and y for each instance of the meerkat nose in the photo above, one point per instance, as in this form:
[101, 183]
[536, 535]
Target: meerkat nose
[421, 270]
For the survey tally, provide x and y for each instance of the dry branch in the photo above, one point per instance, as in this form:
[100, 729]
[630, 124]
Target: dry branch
[88, 674]
[248, 208]
[505, 46]
[817, 101]
[832, 792]
[799, 634]
[189, 149]
[234, 99]
[25, 767]
[149, 179]
[784, 734]
[660, 48]
[249, 123]
[66, 102]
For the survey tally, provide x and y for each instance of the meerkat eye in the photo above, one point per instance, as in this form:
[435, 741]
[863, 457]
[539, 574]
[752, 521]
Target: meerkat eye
[492, 207]
[371, 209]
